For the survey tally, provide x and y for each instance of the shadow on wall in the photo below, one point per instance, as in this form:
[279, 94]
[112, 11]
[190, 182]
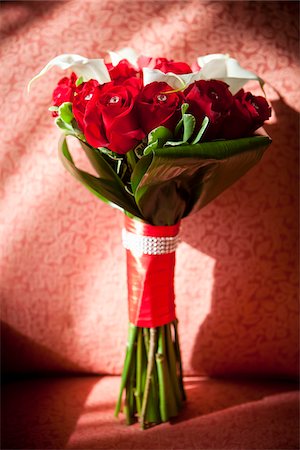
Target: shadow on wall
[21, 355]
[43, 399]
[253, 322]
[16, 15]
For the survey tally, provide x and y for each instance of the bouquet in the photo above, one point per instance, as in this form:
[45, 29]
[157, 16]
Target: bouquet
[164, 140]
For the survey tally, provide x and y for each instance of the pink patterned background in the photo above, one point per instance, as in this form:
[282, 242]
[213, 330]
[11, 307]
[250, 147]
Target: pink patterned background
[63, 280]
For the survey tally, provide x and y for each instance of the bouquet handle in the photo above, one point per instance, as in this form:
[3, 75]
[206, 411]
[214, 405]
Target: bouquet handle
[152, 374]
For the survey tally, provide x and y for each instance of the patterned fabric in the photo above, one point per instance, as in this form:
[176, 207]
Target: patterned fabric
[63, 280]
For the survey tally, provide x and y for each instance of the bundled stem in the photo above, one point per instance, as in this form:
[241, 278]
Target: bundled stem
[152, 375]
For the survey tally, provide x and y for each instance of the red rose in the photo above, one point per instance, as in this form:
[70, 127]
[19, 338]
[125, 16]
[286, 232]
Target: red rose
[84, 93]
[136, 84]
[209, 98]
[248, 113]
[164, 65]
[109, 118]
[64, 91]
[158, 107]
[121, 71]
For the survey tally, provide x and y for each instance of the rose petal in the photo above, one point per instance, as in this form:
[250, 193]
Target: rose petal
[83, 67]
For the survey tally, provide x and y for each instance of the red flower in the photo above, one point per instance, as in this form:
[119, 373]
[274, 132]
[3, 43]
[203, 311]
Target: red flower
[158, 107]
[164, 65]
[121, 71]
[209, 98]
[109, 117]
[64, 91]
[248, 113]
[136, 84]
[84, 93]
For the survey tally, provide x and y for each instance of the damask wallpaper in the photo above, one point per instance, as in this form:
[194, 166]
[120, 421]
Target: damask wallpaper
[62, 269]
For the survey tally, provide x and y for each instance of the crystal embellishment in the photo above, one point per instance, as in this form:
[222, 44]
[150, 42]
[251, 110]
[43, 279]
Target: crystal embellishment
[148, 245]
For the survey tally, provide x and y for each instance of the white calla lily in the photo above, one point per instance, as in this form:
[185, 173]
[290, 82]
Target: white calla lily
[124, 53]
[83, 67]
[222, 67]
[172, 79]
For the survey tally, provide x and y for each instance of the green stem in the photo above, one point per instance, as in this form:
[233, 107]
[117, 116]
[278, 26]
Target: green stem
[139, 365]
[167, 401]
[154, 391]
[146, 339]
[130, 404]
[178, 357]
[173, 366]
[154, 414]
[127, 364]
[150, 365]
[172, 406]
[163, 406]
[131, 160]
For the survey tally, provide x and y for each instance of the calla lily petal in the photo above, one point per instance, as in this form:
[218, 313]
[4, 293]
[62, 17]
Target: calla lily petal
[83, 67]
[172, 79]
[124, 53]
[222, 67]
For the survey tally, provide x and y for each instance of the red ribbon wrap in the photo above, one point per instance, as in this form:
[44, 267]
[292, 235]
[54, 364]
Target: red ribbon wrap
[150, 279]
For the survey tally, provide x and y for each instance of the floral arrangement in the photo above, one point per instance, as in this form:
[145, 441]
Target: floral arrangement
[164, 139]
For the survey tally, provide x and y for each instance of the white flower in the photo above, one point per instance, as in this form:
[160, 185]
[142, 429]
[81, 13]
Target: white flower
[124, 53]
[215, 66]
[172, 79]
[83, 67]
[151, 75]
[222, 67]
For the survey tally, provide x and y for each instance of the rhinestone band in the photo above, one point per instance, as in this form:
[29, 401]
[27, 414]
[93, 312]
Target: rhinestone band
[149, 245]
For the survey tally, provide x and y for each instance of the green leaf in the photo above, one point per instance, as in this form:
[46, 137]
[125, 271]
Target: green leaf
[131, 159]
[150, 148]
[79, 81]
[53, 108]
[70, 129]
[67, 128]
[189, 123]
[103, 167]
[65, 112]
[183, 179]
[174, 143]
[157, 138]
[139, 149]
[113, 155]
[170, 182]
[202, 130]
[108, 187]
[159, 134]
[184, 108]
[140, 170]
